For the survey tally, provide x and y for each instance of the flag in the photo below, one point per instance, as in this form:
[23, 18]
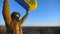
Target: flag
[28, 4]
[22, 3]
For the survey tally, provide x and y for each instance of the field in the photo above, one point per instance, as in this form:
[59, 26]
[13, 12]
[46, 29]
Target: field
[35, 30]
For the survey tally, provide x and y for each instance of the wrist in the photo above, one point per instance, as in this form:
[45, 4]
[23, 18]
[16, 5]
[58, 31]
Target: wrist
[26, 11]
[5, 0]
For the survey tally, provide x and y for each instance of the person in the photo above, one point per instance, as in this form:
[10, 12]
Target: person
[12, 22]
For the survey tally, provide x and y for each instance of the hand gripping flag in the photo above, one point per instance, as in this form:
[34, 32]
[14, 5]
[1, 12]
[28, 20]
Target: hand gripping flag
[28, 4]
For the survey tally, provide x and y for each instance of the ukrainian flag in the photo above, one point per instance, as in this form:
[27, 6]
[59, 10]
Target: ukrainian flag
[28, 4]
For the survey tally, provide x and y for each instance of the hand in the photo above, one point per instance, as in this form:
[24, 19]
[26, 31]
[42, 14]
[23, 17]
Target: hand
[5, 1]
[26, 11]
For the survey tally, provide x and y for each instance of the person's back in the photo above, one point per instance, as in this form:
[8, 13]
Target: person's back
[16, 27]
[12, 22]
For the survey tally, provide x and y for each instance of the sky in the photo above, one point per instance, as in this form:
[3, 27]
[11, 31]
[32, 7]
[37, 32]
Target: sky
[46, 14]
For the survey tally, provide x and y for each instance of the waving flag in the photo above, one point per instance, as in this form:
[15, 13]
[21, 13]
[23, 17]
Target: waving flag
[28, 4]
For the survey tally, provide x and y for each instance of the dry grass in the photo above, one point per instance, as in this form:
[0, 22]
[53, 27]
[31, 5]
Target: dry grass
[35, 30]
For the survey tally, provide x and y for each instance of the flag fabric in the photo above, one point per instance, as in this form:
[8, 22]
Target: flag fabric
[22, 3]
[28, 4]
[32, 4]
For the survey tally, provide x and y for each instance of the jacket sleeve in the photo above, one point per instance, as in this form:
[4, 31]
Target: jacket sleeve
[23, 19]
[6, 12]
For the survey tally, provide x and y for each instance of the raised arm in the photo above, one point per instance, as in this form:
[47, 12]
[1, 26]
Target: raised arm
[6, 12]
[24, 18]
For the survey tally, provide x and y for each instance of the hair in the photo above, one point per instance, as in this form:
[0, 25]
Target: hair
[14, 13]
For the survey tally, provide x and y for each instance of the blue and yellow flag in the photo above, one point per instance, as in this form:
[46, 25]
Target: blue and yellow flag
[28, 4]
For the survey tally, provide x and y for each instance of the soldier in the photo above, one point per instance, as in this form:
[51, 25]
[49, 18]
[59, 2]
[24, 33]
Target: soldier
[12, 22]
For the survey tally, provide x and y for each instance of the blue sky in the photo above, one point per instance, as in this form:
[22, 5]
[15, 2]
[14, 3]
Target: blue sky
[46, 14]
